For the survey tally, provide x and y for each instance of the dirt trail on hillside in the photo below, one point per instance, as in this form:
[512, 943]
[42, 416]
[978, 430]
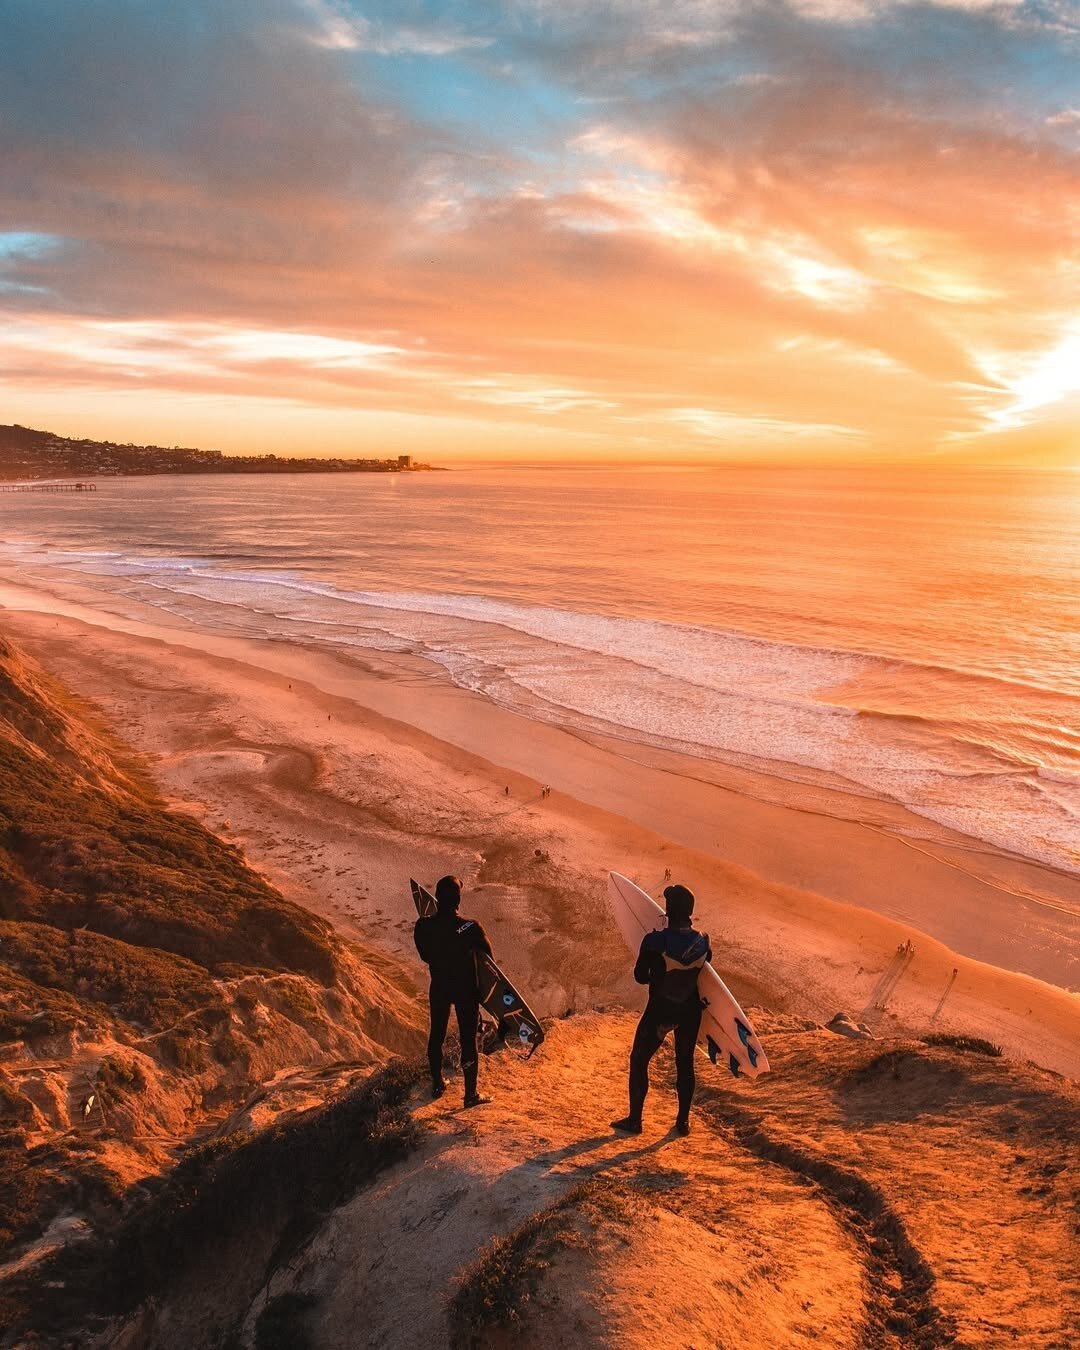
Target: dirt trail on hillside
[858, 1196]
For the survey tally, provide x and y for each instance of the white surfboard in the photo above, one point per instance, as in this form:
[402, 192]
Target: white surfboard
[726, 1033]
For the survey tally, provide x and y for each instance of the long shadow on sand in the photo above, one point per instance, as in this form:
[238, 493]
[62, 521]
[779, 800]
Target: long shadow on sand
[548, 1162]
[575, 1150]
[890, 978]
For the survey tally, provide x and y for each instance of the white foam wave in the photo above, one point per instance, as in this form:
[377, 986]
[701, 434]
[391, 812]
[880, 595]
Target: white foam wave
[714, 692]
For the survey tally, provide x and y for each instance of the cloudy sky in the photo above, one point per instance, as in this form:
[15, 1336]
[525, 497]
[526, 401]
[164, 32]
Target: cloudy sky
[653, 228]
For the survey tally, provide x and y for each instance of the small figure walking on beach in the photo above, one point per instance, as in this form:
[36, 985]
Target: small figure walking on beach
[669, 962]
[449, 944]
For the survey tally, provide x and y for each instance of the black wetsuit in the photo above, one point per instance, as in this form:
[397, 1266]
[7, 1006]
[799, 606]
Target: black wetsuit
[449, 944]
[669, 962]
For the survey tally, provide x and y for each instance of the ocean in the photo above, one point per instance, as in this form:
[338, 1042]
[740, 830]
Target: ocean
[911, 635]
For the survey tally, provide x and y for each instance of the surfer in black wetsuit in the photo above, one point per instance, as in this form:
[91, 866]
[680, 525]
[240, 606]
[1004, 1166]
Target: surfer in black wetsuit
[449, 944]
[669, 963]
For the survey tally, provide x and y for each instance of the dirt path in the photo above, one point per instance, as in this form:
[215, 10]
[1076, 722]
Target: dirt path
[845, 1200]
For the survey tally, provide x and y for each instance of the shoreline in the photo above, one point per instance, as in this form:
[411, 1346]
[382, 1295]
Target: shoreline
[812, 784]
[693, 796]
[239, 728]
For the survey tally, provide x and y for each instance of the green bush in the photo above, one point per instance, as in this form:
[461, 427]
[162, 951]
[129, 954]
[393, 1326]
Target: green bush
[246, 1000]
[15, 1109]
[229, 1048]
[28, 1010]
[297, 1000]
[143, 986]
[495, 1292]
[184, 1049]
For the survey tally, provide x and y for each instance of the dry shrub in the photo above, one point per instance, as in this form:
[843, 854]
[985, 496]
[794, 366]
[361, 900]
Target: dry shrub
[974, 1045]
[216, 1203]
[496, 1290]
[119, 1075]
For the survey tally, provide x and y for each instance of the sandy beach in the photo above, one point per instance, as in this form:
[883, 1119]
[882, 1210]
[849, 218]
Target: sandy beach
[340, 779]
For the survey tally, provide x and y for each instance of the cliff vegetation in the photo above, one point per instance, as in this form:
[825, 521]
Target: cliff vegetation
[150, 980]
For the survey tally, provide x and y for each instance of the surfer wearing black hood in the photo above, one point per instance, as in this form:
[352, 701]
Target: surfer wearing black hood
[449, 944]
[669, 962]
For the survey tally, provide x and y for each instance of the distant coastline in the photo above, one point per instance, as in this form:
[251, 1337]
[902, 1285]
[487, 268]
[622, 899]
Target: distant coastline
[30, 455]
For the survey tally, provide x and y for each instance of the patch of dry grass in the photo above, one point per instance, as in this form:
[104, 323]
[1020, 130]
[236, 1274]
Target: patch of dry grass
[238, 1194]
[974, 1045]
[496, 1290]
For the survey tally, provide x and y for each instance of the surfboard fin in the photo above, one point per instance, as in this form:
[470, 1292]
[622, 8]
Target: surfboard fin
[734, 1065]
[712, 1048]
[744, 1032]
[751, 1055]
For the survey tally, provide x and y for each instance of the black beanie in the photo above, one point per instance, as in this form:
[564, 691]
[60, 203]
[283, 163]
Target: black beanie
[448, 892]
[680, 902]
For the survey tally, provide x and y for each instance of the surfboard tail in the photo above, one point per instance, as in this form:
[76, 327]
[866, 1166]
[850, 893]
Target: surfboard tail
[714, 1052]
[422, 899]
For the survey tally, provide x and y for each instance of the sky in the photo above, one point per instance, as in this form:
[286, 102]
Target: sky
[777, 230]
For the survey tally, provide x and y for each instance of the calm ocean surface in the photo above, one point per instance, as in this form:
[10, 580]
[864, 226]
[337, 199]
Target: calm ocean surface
[912, 636]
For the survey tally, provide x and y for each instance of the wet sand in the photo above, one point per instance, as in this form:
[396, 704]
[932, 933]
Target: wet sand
[342, 778]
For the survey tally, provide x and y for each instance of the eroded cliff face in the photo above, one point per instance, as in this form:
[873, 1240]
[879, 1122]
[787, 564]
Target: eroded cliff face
[864, 1194]
[150, 980]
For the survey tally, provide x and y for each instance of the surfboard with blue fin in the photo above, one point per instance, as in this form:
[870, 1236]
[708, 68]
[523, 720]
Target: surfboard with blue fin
[727, 1035]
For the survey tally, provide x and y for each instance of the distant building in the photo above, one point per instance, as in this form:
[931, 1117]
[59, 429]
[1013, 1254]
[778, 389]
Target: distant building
[404, 461]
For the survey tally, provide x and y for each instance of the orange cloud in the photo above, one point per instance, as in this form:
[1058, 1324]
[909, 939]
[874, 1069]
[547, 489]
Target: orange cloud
[746, 233]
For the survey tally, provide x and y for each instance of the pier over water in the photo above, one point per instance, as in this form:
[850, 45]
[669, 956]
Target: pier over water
[48, 487]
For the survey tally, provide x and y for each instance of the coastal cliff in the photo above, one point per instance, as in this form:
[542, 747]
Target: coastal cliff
[896, 1196]
[150, 981]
